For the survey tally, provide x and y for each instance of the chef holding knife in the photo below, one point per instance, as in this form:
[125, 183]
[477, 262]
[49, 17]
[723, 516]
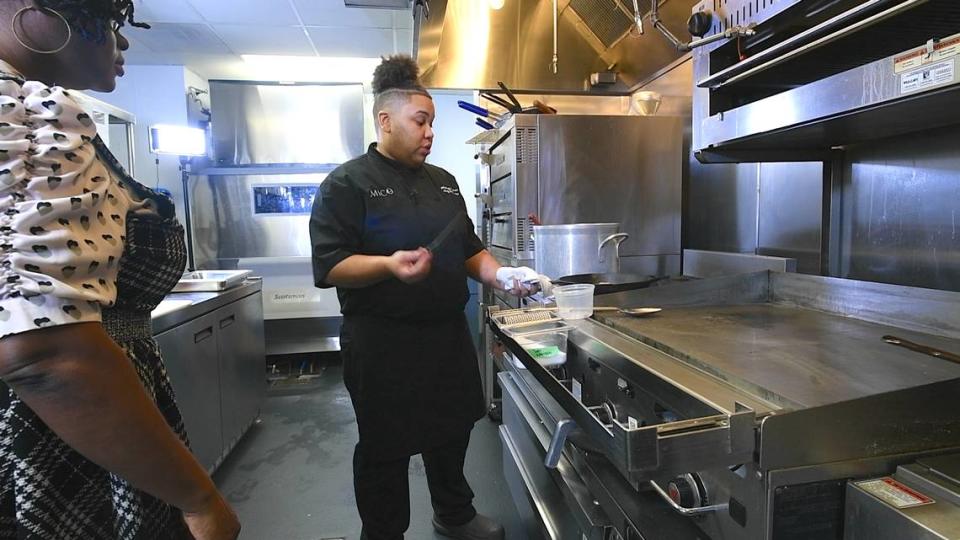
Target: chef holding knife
[391, 233]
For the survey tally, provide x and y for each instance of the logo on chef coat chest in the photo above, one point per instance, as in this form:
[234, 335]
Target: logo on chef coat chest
[450, 190]
[378, 193]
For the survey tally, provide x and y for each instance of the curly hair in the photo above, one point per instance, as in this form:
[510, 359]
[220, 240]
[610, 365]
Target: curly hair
[394, 81]
[398, 72]
[93, 18]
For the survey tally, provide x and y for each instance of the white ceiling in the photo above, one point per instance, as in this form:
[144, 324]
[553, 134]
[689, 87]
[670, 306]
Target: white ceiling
[209, 36]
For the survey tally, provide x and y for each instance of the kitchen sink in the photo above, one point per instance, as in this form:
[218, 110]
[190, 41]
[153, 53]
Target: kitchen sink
[210, 280]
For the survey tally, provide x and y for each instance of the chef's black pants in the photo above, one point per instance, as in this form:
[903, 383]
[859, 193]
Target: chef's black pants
[383, 492]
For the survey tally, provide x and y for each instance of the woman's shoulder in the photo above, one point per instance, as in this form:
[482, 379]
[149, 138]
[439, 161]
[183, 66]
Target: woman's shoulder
[49, 118]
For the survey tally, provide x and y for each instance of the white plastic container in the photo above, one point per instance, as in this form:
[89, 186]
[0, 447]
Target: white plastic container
[574, 301]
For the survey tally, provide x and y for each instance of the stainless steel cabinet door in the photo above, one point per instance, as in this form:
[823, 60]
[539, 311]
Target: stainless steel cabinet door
[190, 354]
[242, 365]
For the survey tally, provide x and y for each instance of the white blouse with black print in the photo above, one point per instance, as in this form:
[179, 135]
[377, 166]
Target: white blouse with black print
[62, 213]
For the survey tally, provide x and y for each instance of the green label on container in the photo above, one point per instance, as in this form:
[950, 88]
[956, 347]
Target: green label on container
[544, 352]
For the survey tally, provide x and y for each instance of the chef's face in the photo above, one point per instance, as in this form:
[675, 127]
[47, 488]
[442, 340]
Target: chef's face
[408, 129]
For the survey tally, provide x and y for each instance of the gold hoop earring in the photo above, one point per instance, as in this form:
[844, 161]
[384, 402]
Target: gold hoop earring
[19, 15]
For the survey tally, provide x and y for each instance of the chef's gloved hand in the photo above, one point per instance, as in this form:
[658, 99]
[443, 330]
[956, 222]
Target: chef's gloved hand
[520, 281]
[546, 286]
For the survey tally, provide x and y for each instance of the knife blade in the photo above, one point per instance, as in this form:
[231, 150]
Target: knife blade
[450, 228]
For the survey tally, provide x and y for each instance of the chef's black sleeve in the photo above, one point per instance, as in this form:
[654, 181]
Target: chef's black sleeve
[471, 242]
[336, 225]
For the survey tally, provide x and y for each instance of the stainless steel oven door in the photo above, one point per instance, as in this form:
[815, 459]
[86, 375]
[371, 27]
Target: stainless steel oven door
[503, 195]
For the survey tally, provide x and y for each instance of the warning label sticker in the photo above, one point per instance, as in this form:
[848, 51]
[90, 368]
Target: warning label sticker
[894, 493]
[928, 54]
[927, 77]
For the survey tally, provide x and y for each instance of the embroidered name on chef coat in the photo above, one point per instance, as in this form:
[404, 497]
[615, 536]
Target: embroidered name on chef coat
[449, 190]
[384, 192]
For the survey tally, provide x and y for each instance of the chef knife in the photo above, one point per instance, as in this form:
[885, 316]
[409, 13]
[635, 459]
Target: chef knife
[497, 99]
[451, 227]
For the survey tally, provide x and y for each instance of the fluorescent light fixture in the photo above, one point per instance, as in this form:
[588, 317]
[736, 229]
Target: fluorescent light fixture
[178, 140]
[315, 69]
[381, 4]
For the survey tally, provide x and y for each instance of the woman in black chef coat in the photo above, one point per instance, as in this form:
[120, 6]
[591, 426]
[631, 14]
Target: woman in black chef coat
[409, 361]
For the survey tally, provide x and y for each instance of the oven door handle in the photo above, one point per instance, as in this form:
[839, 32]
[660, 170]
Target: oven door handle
[564, 427]
[683, 511]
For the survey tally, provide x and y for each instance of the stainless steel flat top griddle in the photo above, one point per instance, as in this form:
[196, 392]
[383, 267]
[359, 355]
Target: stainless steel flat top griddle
[767, 392]
[795, 356]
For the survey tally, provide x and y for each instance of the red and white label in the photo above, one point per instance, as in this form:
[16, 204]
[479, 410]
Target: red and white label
[894, 493]
[921, 56]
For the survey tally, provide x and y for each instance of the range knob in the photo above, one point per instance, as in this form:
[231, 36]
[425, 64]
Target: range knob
[699, 23]
[687, 491]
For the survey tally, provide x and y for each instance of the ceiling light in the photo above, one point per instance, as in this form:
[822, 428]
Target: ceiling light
[496, 4]
[383, 4]
[311, 68]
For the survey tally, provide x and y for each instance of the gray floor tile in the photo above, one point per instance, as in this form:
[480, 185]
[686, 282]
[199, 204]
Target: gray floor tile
[290, 477]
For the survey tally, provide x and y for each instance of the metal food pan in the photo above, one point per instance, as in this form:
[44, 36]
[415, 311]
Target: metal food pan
[210, 280]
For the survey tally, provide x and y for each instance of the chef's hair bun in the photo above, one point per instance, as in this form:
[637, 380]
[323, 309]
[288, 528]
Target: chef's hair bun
[398, 72]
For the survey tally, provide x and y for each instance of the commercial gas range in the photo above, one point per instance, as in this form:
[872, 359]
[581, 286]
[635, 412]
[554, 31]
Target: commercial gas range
[742, 411]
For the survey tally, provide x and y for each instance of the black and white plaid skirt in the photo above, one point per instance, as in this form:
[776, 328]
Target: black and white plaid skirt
[49, 491]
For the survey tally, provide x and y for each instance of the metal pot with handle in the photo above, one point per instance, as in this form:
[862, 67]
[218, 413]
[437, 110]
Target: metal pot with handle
[579, 248]
[617, 239]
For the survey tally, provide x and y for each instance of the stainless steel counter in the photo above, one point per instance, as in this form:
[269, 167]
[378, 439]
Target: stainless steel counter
[178, 308]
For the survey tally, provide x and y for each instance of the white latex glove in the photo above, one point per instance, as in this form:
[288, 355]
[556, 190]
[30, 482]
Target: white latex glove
[520, 281]
[546, 286]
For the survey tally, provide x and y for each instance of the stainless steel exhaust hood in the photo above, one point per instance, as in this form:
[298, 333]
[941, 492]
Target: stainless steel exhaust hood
[466, 44]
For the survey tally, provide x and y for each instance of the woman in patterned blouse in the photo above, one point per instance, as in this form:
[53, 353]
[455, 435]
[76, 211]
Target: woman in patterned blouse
[91, 441]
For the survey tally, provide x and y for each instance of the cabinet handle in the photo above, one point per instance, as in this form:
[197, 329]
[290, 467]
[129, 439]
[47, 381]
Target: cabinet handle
[228, 321]
[564, 427]
[203, 334]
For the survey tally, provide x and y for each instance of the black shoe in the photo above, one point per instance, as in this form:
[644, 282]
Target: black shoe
[495, 413]
[478, 528]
